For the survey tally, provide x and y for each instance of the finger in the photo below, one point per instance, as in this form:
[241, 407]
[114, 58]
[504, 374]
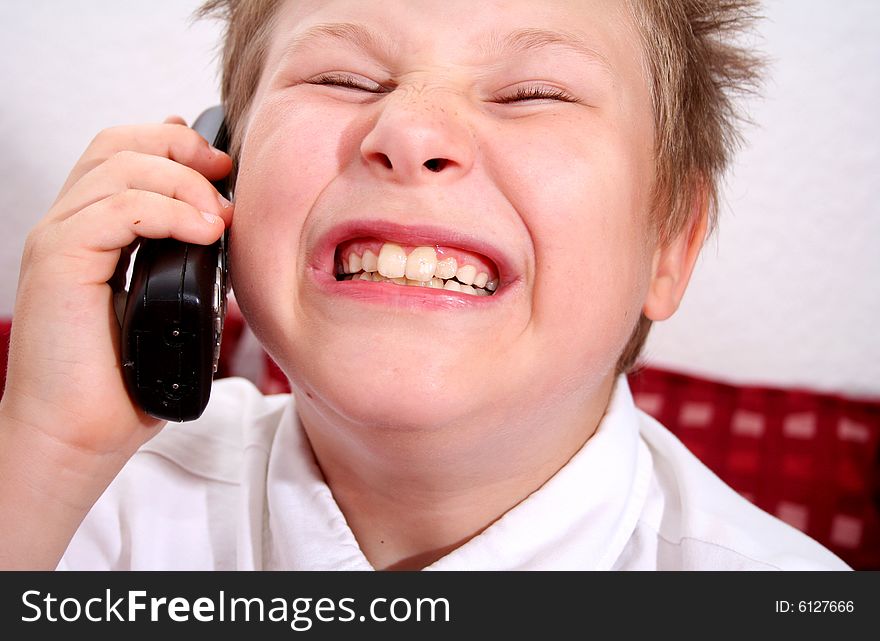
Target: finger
[116, 221]
[174, 120]
[173, 141]
[90, 243]
[133, 170]
[85, 249]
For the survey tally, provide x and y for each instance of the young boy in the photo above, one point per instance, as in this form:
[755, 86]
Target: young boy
[453, 226]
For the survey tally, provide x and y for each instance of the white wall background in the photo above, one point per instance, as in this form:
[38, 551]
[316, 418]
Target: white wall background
[787, 294]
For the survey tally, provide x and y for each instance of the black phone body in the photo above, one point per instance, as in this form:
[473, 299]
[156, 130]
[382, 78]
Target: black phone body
[174, 313]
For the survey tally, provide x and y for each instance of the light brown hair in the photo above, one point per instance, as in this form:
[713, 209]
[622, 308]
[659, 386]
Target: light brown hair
[694, 57]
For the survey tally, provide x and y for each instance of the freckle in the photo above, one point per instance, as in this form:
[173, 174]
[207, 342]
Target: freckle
[137, 222]
[309, 394]
[380, 541]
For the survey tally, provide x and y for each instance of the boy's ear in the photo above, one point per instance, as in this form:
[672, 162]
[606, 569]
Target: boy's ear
[674, 262]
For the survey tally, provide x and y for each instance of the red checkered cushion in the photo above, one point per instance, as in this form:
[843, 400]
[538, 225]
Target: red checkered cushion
[811, 459]
[5, 328]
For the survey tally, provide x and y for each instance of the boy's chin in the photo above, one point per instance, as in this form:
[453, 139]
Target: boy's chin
[395, 377]
[405, 399]
[407, 408]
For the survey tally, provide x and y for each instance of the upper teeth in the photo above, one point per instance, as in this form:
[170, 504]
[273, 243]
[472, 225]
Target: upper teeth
[420, 266]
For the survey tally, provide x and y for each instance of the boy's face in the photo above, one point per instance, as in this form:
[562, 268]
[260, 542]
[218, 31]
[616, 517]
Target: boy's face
[444, 142]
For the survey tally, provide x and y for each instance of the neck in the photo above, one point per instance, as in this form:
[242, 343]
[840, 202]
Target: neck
[412, 496]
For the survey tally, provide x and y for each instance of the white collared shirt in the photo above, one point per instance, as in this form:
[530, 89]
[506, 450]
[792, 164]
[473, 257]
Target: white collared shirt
[240, 489]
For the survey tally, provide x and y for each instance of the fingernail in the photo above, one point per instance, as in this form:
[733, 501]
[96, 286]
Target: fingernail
[225, 204]
[209, 217]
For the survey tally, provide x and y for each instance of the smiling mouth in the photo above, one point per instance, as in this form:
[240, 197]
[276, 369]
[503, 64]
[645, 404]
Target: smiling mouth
[437, 267]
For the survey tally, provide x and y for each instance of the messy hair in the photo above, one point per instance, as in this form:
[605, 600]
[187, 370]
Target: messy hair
[698, 65]
[693, 55]
[248, 29]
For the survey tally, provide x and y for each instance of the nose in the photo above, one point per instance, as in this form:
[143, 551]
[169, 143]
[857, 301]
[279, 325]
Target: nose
[419, 137]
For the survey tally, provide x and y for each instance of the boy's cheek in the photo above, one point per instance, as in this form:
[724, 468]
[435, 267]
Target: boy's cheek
[290, 154]
[592, 266]
[292, 143]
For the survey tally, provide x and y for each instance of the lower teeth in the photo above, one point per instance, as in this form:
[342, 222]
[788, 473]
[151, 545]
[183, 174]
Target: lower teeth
[450, 284]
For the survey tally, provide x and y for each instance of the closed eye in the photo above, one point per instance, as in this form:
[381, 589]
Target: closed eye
[349, 81]
[522, 94]
[538, 92]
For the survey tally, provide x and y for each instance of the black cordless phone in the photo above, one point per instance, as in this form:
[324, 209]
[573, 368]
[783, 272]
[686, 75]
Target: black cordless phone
[174, 313]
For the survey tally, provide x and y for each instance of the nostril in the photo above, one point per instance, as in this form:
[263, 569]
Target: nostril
[436, 164]
[382, 159]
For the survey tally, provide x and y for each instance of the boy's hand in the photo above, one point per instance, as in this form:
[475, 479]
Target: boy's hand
[65, 393]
